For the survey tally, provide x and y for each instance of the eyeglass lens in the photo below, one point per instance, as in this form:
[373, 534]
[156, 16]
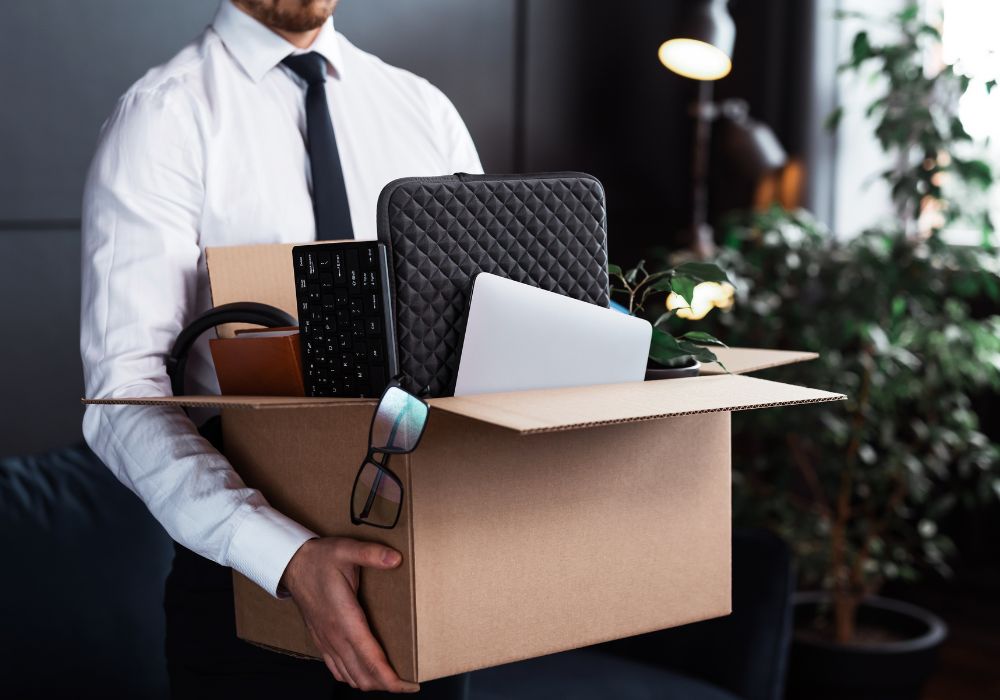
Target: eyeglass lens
[377, 496]
[399, 421]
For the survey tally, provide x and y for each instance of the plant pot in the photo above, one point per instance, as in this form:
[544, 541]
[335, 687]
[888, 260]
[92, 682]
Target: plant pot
[654, 370]
[895, 668]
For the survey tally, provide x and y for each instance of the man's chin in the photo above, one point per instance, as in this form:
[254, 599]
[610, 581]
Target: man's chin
[306, 15]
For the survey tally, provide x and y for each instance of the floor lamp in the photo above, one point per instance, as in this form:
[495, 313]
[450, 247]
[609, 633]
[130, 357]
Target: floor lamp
[701, 49]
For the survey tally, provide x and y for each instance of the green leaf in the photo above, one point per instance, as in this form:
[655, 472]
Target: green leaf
[664, 284]
[975, 171]
[909, 13]
[664, 348]
[662, 318]
[701, 271]
[861, 48]
[703, 338]
[990, 84]
[832, 120]
[958, 131]
[683, 287]
[614, 270]
[699, 353]
[631, 275]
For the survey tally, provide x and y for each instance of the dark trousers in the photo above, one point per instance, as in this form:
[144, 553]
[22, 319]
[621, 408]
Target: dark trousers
[206, 659]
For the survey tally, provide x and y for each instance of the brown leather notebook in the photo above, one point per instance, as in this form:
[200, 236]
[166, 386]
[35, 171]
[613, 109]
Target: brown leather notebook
[259, 363]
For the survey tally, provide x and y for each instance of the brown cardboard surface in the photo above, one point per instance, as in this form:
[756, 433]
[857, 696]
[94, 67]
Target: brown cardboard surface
[580, 407]
[555, 541]
[746, 360]
[261, 273]
[306, 470]
[566, 539]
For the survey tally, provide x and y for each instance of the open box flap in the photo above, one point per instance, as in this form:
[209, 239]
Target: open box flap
[229, 401]
[746, 360]
[582, 407]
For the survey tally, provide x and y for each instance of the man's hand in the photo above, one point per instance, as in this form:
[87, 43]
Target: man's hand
[323, 577]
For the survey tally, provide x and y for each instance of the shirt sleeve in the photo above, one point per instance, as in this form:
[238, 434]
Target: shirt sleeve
[141, 262]
[459, 150]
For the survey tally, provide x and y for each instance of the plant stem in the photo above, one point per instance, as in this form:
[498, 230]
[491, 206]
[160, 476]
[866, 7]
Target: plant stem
[845, 599]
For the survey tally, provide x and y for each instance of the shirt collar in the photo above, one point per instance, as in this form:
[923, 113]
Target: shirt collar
[258, 49]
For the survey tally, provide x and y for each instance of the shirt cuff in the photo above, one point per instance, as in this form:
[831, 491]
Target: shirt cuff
[263, 544]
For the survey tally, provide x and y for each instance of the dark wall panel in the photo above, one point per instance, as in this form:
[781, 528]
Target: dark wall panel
[464, 48]
[40, 350]
[63, 64]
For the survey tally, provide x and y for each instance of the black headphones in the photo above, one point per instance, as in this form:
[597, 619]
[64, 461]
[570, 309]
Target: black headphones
[236, 312]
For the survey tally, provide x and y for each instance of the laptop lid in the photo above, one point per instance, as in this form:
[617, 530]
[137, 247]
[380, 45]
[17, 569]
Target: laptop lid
[519, 337]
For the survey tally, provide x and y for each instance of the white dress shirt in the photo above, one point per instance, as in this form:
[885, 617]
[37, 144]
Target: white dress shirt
[209, 150]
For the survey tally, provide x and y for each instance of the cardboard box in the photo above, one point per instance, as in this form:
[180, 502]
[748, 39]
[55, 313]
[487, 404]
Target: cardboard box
[533, 522]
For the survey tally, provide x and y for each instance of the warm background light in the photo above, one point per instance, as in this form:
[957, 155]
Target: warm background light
[694, 59]
[707, 296]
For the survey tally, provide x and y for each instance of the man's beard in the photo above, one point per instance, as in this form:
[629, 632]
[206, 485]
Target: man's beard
[308, 15]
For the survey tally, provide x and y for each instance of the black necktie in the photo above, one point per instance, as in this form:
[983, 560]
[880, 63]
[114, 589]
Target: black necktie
[330, 207]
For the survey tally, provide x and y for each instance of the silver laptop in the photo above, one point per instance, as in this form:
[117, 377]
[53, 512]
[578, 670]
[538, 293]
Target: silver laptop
[520, 337]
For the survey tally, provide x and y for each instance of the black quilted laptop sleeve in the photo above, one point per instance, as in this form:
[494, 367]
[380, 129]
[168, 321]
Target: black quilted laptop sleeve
[547, 230]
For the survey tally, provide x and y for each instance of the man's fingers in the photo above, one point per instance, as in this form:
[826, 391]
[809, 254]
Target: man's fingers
[369, 658]
[331, 665]
[370, 554]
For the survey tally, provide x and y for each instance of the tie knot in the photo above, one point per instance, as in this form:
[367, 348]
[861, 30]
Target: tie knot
[311, 67]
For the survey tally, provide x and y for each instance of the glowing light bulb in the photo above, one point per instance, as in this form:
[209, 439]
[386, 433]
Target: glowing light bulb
[707, 296]
[694, 59]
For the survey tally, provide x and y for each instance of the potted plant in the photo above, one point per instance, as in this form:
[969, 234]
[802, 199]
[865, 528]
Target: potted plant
[672, 356]
[892, 314]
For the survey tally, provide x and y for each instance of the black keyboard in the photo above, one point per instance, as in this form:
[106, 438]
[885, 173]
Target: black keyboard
[345, 318]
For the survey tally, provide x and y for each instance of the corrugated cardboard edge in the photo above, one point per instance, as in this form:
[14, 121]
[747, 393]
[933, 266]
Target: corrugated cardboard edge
[747, 360]
[573, 408]
[642, 419]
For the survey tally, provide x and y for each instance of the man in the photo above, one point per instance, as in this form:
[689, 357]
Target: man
[270, 127]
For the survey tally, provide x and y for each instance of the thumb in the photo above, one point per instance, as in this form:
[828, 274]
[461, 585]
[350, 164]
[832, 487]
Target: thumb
[371, 554]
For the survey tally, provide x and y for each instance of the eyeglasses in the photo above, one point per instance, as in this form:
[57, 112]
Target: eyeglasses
[398, 425]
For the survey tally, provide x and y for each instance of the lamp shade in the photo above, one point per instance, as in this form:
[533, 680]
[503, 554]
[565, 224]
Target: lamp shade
[749, 144]
[702, 46]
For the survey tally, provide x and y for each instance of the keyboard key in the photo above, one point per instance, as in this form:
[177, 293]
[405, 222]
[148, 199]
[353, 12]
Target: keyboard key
[312, 293]
[339, 268]
[373, 325]
[354, 280]
[370, 303]
[343, 319]
[328, 301]
[355, 307]
[326, 282]
[368, 281]
[369, 258]
[311, 270]
[375, 354]
[361, 374]
[344, 341]
[341, 298]
[323, 261]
